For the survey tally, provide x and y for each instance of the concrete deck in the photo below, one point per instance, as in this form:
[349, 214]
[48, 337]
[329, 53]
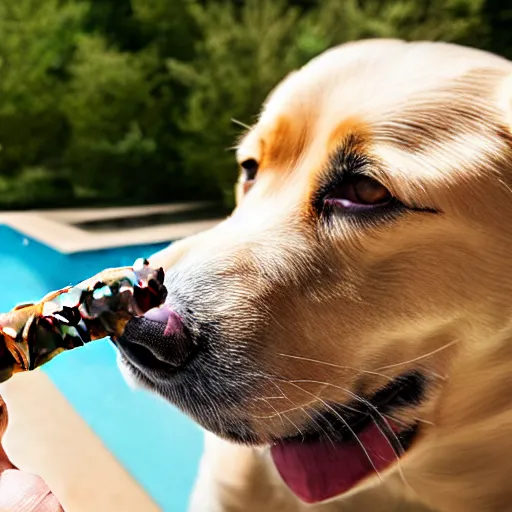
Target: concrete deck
[76, 215]
[55, 227]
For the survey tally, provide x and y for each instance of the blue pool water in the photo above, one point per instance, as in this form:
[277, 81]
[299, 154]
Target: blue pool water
[157, 444]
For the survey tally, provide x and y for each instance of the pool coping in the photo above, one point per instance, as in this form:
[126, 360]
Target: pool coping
[55, 228]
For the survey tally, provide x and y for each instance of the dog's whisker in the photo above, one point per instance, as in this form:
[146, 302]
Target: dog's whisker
[291, 409]
[347, 425]
[277, 412]
[302, 408]
[351, 393]
[404, 423]
[358, 370]
[392, 417]
[396, 420]
[240, 123]
[271, 378]
[421, 420]
[318, 425]
[347, 407]
[271, 398]
[296, 427]
[419, 358]
[334, 365]
[368, 404]
[399, 446]
[438, 376]
[214, 406]
[284, 414]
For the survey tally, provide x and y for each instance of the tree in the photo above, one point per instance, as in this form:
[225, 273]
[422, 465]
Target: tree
[104, 103]
[446, 20]
[123, 105]
[36, 45]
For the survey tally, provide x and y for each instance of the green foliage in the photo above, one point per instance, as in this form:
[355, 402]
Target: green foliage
[241, 54]
[36, 44]
[447, 20]
[36, 187]
[105, 101]
[132, 100]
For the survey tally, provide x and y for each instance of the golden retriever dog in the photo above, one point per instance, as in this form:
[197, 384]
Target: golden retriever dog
[345, 336]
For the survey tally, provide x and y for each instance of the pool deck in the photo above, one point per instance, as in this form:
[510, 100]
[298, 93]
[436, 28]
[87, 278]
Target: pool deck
[56, 228]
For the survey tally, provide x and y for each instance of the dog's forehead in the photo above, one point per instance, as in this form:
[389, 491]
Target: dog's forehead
[371, 79]
[416, 102]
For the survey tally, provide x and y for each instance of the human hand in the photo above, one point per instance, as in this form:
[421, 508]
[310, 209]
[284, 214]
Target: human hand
[21, 491]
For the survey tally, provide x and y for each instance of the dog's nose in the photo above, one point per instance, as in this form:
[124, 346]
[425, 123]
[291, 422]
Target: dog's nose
[156, 341]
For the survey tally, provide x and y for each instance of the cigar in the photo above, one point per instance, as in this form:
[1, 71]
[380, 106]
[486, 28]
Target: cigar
[32, 334]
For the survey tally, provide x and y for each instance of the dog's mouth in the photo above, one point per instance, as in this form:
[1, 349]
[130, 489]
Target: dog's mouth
[340, 445]
[344, 445]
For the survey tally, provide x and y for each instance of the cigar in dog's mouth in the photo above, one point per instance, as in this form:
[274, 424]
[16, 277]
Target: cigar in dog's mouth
[32, 334]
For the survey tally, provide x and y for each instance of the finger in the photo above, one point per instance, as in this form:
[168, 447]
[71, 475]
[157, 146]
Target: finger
[4, 461]
[24, 492]
[21, 492]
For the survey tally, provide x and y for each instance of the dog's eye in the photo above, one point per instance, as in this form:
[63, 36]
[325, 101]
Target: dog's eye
[359, 192]
[250, 168]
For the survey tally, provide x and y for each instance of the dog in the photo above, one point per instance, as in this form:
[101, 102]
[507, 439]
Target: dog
[345, 336]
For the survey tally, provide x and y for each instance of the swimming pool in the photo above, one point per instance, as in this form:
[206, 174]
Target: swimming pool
[155, 443]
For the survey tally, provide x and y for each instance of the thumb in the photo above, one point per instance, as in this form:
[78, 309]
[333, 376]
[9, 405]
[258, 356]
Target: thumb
[20, 491]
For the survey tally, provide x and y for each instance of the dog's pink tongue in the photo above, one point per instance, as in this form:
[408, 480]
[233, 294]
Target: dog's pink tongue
[316, 471]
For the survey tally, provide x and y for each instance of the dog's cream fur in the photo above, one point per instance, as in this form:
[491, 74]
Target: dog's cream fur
[427, 291]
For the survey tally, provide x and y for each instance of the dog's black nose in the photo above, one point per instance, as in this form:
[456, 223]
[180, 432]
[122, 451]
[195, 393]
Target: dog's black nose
[156, 341]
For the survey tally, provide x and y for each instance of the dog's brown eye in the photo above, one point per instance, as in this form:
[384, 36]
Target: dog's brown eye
[368, 191]
[359, 191]
[250, 168]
